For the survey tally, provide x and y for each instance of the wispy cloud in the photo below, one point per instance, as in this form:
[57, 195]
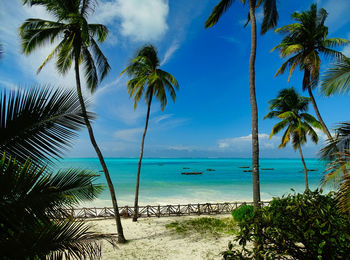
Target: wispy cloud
[129, 135]
[161, 118]
[170, 51]
[338, 13]
[244, 142]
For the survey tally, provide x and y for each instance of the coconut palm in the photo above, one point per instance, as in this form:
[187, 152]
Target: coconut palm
[291, 109]
[148, 80]
[303, 43]
[77, 43]
[39, 123]
[269, 21]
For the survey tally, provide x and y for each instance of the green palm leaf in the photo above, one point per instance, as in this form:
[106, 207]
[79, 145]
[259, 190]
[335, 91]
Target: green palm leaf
[38, 122]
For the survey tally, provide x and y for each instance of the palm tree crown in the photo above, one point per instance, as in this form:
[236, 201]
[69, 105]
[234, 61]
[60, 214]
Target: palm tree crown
[75, 36]
[270, 13]
[148, 79]
[304, 41]
[291, 109]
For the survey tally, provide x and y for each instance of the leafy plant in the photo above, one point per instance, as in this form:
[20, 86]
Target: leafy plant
[297, 226]
[31, 226]
[244, 212]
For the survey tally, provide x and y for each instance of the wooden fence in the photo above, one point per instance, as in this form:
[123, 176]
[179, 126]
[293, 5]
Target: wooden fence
[158, 211]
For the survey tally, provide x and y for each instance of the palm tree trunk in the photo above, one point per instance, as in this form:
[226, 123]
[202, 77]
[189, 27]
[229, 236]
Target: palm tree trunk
[136, 206]
[307, 84]
[305, 169]
[121, 238]
[254, 108]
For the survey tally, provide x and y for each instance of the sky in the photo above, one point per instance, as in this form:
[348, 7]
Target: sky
[211, 116]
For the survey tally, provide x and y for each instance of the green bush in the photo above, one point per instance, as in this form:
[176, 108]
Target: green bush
[298, 226]
[243, 212]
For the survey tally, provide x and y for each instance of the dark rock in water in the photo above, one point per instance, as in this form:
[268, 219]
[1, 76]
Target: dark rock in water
[248, 171]
[185, 168]
[244, 167]
[211, 170]
[312, 170]
[267, 168]
[191, 173]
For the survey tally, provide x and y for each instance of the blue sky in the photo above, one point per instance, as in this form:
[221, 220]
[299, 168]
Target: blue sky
[211, 116]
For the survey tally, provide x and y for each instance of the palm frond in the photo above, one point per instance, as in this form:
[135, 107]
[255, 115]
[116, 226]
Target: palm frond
[38, 122]
[337, 78]
[99, 30]
[37, 32]
[335, 42]
[89, 70]
[270, 15]
[101, 61]
[217, 12]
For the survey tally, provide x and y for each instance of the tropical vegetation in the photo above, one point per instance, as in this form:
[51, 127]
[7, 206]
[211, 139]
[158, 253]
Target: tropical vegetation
[32, 195]
[296, 226]
[291, 109]
[302, 44]
[77, 43]
[148, 80]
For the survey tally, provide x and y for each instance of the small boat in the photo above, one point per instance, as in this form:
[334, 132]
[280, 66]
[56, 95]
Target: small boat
[191, 173]
[312, 170]
[211, 170]
[248, 171]
[267, 168]
[185, 168]
[244, 167]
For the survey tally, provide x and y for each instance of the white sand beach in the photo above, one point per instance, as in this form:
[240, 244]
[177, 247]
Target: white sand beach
[150, 239]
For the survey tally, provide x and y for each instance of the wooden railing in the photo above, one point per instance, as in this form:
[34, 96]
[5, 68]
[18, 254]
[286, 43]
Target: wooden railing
[158, 211]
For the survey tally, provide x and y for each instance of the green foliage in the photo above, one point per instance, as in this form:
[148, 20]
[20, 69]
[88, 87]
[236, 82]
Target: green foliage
[270, 17]
[148, 79]
[39, 122]
[243, 213]
[206, 225]
[78, 40]
[30, 201]
[297, 226]
[304, 41]
[291, 109]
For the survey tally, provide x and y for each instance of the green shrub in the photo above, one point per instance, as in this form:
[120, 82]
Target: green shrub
[243, 212]
[298, 226]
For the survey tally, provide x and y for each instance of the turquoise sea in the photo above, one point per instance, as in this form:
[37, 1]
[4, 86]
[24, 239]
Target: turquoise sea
[163, 183]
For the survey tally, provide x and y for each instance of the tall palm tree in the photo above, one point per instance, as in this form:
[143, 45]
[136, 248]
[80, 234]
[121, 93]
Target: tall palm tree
[148, 80]
[291, 109]
[269, 21]
[303, 42]
[77, 44]
[40, 123]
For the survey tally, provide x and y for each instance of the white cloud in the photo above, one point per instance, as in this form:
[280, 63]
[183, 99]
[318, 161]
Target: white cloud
[180, 148]
[139, 20]
[158, 119]
[129, 135]
[244, 142]
[170, 51]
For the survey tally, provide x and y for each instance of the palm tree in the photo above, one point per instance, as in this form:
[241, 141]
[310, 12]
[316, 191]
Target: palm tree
[31, 195]
[269, 21]
[303, 42]
[291, 109]
[77, 43]
[148, 81]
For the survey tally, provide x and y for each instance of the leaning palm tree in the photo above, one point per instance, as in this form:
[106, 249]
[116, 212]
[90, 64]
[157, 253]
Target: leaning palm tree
[77, 44]
[291, 109]
[303, 42]
[148, 80]
[269, 21]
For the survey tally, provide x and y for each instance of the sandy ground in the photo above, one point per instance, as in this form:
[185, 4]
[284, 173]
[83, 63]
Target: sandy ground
[150, 239]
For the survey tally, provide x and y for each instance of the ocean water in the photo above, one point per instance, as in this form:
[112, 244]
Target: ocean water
[163, 183]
